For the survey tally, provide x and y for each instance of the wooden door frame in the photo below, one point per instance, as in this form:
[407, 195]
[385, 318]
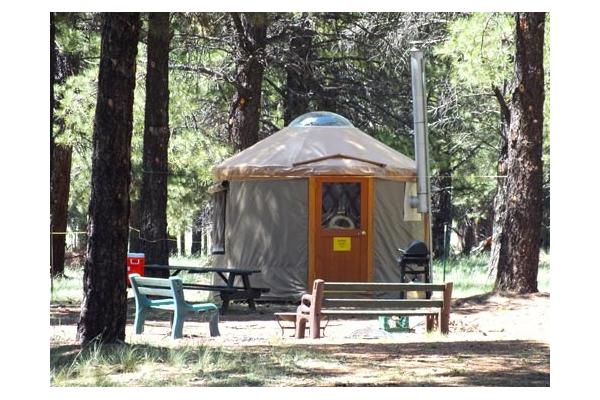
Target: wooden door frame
[313, 182]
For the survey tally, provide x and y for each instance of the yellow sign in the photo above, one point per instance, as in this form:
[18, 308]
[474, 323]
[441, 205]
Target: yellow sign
[342, 243]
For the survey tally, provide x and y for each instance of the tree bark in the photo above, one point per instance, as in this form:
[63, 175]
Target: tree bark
[442, 211]
[518, 256]
[499, 208]
[153, 197]
[104, 305]
[296, 101]
[466, 228]
[60, 180]
[251, 29]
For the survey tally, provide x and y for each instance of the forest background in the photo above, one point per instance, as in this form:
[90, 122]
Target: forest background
[573, 30]
[354, 64]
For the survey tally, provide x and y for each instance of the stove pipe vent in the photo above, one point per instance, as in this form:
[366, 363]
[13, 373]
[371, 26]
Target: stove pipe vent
[421, 201]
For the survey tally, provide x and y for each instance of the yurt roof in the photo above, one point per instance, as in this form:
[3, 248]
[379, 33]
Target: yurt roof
[317, 143]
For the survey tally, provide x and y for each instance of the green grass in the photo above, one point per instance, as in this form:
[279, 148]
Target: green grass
[145, 365]
[470, 275]
[69, 288]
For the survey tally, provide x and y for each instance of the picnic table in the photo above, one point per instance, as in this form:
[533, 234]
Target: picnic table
[229, 291]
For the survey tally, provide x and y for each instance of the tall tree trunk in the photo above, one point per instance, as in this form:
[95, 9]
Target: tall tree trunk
[467, 230]
[155, 167]
[442, 211]
[104, 306]
[52, 74]
[62, 65]
[60, 174]
[196, 248]
[520, 243]
[296, 101]
[251, 29]
[545, 235]
[499, 208]
[484, 224]
[326, 99]
[60, 180]
[182, 243]
[172, 245]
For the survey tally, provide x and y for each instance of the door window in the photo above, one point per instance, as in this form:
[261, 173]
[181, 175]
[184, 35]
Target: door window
[340, 205]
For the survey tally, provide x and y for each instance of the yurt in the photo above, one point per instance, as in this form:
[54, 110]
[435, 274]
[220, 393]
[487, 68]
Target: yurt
[317, 199]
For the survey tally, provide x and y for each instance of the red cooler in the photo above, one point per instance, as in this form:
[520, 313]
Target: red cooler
[135, 265]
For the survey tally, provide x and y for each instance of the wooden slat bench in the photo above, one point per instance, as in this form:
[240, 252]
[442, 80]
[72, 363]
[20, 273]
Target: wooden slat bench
[329, 299]
[170, 293]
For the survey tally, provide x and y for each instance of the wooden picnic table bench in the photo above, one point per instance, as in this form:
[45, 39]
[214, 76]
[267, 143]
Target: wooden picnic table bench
[229, 291]
[329, 299]
[170, 297]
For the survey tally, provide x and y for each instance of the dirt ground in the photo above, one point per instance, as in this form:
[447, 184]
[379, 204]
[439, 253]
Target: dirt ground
[493, 341]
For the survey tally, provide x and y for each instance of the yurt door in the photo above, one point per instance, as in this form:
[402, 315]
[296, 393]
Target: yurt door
[341, 229]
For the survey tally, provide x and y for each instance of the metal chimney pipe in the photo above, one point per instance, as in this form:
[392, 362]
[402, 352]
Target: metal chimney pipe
[423, 200]
[420, 127]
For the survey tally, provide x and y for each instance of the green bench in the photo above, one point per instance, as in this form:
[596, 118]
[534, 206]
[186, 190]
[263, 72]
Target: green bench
[332, 299]
[170, 297]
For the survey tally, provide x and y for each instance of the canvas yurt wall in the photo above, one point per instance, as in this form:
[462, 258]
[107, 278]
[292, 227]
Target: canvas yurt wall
[395, 225]
[266, 227]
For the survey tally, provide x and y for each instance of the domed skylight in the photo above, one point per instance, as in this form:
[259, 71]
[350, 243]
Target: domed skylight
[320, 118]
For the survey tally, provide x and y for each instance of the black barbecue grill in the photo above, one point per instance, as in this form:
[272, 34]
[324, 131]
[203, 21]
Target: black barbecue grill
[414, 264]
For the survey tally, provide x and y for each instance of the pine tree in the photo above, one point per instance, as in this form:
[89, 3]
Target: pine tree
[251, 33]
[104, 305]
[518, 255]
[153, 198]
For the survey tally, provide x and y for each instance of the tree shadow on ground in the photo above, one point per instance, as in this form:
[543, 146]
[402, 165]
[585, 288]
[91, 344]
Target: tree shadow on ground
[491, 302]
[465, 363]
[491, 363]
[67, 313]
